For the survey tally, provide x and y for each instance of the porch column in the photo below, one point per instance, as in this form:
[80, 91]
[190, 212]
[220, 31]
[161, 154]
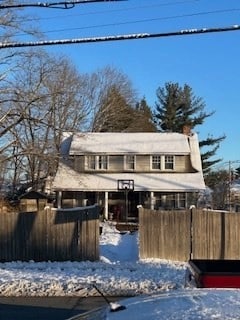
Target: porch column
[59, 199]
[152, 200]
[106, 205]
[186, 200]
[177, 200]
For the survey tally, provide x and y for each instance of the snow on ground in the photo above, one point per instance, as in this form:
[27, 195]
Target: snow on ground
[158, 286]
[182, 304]
[118, 273]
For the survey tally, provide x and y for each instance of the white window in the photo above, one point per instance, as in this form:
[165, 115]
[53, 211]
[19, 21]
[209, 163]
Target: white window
[169, 162]
[130, 162]
[91, 165]
[97, 162]
[182, 200]
[102, 162]
[156, 162]
[162, 162]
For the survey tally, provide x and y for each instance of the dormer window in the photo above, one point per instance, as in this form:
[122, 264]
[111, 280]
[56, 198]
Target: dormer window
[91, 164]
[162, 162]
[102, 162]
[96, 162]
[169, 162]
[130, 162]
[156, 162]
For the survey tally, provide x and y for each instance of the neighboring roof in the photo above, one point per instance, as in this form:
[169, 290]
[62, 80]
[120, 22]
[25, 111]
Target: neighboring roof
[68, 179]
[123, 142]
[34, 195]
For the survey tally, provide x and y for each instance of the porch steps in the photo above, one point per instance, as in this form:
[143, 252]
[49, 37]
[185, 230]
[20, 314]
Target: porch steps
[127, 226]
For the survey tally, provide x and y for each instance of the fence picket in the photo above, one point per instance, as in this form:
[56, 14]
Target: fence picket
[183, 234]
[50, 235]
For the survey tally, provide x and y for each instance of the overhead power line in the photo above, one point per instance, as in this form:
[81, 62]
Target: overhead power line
[54, 5]
[136, 21]
[118, 37]
[132, 8]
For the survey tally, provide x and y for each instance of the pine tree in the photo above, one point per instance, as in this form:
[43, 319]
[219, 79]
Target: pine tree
[177, 107]
[237, 172]
[143, 118]
[114, 114]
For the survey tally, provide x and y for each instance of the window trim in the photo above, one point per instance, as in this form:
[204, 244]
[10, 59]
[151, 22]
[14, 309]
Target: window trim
[127, 164]
[98, 162]
[159, 162]
[104, 162]
[169, 162]
[162, 162]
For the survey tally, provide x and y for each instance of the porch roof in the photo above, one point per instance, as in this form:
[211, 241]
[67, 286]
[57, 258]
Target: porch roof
[67, 179]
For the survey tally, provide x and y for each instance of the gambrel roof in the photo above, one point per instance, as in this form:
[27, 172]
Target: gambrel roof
[131, 143]
[122, 143]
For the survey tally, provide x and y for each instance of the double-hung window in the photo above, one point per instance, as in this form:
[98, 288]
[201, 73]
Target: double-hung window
[156, 162]
[182, 200]
[95, 162]
[169, 162]
[102, 162]
[130, 162]
[162, 162]
[91, 164]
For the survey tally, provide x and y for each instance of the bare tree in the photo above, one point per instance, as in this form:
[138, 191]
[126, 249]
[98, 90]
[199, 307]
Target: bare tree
[47, 95]
[100, 84]
[218, 181]
[12, 24]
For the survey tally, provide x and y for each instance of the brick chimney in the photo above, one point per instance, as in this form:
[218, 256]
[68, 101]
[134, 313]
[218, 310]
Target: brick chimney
[187, 130]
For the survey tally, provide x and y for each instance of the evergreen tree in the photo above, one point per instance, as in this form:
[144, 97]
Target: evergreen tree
[237, 172]
[177, 107]
[114, 114]
[207, 163]
[100, 89]
[143, 118]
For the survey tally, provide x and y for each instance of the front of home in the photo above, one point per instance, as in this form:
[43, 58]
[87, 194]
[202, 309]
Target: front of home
[120, 171]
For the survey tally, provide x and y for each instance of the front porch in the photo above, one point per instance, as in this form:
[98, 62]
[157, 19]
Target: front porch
[121, 206]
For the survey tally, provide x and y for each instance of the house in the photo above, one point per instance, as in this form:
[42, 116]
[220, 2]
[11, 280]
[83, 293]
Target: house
[120, 171]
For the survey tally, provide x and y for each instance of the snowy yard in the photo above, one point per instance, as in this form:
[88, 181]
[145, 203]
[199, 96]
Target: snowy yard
[158, 286]
[119, 272]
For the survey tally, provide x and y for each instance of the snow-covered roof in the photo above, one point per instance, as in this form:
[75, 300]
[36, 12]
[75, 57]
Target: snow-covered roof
[136, 143]
[68, 179]
[124, 142]
[195, 152]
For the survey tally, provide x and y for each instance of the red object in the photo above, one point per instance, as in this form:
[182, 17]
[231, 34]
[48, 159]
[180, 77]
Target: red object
[220, 281]
[216, 273]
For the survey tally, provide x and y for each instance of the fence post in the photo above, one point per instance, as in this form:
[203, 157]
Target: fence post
[191, 233]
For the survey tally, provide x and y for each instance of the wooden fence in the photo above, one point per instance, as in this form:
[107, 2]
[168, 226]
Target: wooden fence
[50, 235]
[191, 234]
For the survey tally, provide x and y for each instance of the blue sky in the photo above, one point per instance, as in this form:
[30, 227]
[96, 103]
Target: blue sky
[209, 63]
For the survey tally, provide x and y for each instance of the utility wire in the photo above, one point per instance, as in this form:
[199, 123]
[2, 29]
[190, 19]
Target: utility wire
[115, 10]
[54, 5]
[118, 37]
[139, 21]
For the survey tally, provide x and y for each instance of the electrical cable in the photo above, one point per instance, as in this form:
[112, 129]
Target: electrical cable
[139, 21]
[118, 37]
[54, 5]
[115, 10]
